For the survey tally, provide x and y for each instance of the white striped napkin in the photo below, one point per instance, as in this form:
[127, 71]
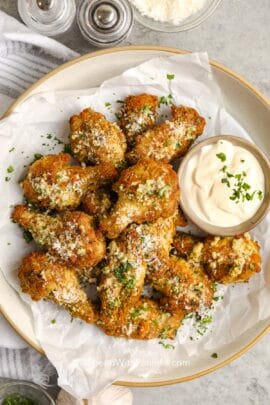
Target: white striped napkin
[26, 56]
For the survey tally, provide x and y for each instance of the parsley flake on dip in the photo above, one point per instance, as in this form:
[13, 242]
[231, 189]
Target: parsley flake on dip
[223, 182]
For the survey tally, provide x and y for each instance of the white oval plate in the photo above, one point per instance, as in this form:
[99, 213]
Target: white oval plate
[243, 101]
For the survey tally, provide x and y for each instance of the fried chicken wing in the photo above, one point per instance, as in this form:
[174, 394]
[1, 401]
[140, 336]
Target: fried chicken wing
[42, 277]
[147, 191]
[96, 140]
[121, 279]
[231, 259]
[153, 241]
[97, 202]
[225, 259]
[138, 114]
[185, 286]
[171, 139]
[145, 320]
[53, 183]
[71, 237]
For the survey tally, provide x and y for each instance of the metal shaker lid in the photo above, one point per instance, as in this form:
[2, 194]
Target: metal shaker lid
[105, 23]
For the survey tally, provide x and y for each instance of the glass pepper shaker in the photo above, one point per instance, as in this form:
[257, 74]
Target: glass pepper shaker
[105, 23]
[48, 17]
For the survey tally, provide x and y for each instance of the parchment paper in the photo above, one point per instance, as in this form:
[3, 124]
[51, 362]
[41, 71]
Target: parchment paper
[86, 359]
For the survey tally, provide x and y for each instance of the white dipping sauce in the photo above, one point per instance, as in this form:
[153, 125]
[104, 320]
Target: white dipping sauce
[209, 182]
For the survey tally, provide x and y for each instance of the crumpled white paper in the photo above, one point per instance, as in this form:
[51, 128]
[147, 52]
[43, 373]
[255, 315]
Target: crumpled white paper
[86, 359]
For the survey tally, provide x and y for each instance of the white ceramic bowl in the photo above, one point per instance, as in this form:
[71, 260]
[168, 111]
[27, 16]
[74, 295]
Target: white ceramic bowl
[244, 226]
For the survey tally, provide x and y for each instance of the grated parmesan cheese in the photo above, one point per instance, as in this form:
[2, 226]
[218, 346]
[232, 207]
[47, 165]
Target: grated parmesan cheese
[172, 11]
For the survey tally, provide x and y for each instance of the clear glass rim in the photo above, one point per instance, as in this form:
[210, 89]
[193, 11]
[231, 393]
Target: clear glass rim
[188, 23]
[29, 384]
[52, 29]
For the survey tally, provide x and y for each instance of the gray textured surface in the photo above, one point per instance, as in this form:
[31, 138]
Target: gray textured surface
[237, 35]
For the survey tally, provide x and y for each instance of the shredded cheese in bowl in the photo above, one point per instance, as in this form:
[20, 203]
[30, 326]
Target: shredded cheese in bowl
[170, 11]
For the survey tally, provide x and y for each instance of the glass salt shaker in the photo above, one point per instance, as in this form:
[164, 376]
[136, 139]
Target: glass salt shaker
[105, 23]
[48, 17]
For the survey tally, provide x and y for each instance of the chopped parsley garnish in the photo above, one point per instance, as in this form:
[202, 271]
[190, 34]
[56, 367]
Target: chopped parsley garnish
[10, 169]
[147, 109]
[214, 286]
[166, 100]
[166, 345]
[107, 104]
[53, 321]
[221, 156]
[242, 160]
[27, 236]
[17, 399]
[11, 150]
[241, 190]
[67, 148]
[203, 323]
[214, 355]
[120, 101]
[135, 312]
[49, 136]
[7, 178]
[168, 142]
[170, 76]
[121, 273]
[58, 140]
[38, 156]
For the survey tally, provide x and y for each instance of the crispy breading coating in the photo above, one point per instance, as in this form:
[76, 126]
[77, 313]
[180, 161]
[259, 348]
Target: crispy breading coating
[153, 240]
[184, 243]
[43, 277]
[145, 320]
[231, 259]
[97, 202]
[95, 140]
[184, 285]
[226, 260]
[146, 191]
[71, 237]
[121, 280]
[138, 114]
[51, 182]
[171, 139]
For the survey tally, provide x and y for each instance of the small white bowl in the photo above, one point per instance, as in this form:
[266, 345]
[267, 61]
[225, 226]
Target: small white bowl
[244, 226]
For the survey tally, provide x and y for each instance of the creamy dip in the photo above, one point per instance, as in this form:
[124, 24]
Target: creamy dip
[224, 184]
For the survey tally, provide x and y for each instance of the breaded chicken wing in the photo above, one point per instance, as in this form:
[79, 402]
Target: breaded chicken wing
[153, 241]
[121, 280]
[53, 183]
[97, 202]
[231, 259]
[42, 277]
[171, 139]
[71, 237]
[145, 320]
[138, 114]
[184, 285]
[147, 191]
[95, 140]
[225, 259]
